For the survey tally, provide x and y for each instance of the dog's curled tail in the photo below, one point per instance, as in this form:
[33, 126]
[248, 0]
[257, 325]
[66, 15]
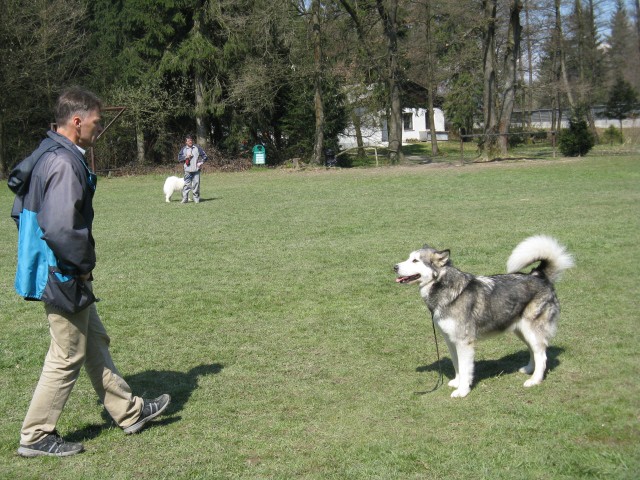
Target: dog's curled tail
[553, 257]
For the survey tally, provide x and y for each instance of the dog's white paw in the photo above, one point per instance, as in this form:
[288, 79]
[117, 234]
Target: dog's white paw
[532, 382]
[454, 383]
[460, 393]
[528, 369]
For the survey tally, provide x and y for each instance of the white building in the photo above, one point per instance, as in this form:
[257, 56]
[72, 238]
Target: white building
[541, 118]
[415, 127]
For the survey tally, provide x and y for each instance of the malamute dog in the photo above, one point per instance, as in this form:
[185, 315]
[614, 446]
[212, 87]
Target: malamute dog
[466, 307]
[172, 184]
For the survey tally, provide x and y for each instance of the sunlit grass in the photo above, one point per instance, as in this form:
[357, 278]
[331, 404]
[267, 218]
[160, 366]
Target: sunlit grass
[270, 314]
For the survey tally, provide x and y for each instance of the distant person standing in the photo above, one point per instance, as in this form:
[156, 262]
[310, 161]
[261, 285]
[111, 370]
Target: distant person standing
[192, 156]
[53, 209]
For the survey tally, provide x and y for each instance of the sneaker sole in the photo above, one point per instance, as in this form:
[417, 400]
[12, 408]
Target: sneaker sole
[136, 427]
[30, 453]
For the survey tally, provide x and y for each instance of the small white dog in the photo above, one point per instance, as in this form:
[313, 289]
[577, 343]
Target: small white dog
[172, 184]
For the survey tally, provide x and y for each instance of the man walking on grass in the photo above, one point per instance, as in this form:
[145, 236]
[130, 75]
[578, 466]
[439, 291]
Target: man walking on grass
[54, 212]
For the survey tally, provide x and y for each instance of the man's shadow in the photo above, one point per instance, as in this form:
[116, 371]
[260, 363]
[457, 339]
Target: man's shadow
[150, 384]
[484, 369]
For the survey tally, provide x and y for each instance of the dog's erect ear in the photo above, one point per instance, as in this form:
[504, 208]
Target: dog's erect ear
[440, 259]
[426, 247]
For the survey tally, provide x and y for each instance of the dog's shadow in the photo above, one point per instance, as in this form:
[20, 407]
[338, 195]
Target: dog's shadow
[149, 384]
[202, 199]
[484, 369]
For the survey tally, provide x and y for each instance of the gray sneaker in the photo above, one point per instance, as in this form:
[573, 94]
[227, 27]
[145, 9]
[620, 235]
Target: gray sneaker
[150, 410]
[52, 445]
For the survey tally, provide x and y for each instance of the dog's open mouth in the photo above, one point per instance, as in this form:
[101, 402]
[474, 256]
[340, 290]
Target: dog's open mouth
[408, 279]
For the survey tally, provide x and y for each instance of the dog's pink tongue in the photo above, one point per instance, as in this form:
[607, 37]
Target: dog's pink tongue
[399, 279]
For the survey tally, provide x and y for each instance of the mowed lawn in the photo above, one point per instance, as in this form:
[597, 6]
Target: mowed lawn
[270, 314]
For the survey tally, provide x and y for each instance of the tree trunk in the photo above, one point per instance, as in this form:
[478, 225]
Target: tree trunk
[198, 84]
[560, 52]
[591, 34]
[318, 147]
[139, 146]
[430, 81]
[512, 52]
[432, 123]
[489, 73]
[637, 5]
[4, 168]
[556, 113]
[529, 90]
[358, 129]
[201, 127]
[389, 20]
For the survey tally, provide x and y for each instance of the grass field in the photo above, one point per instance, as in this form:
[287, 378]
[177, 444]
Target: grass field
[270, 314]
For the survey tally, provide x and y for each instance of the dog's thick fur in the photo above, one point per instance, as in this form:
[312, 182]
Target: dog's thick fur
[466, 307]
[171, 185]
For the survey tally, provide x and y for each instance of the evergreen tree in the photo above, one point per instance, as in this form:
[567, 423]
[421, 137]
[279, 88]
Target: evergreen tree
[128, 42]
[577, 140]
[623, 100]
[622, 55]
[463, 102]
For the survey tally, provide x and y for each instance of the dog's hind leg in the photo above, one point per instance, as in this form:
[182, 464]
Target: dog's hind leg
[465, 373]
[528, 369]
[538, 354]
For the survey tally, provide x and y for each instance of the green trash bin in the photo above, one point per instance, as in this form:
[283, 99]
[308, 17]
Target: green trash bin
[259, 155]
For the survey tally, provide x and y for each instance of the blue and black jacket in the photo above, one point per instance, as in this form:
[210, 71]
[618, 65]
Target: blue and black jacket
[53, 210]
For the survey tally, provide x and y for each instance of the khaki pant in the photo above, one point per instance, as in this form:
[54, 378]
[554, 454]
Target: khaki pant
[77, 340]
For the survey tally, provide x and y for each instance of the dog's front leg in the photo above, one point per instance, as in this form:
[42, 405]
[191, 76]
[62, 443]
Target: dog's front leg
[465, 369]
[454, 359]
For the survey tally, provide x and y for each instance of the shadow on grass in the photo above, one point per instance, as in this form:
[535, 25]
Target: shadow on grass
[208, 199]
[484, 369]
[202, 200]
[150, 384]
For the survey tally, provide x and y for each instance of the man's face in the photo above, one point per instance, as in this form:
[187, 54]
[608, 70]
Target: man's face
[189, 142]
[89, 128]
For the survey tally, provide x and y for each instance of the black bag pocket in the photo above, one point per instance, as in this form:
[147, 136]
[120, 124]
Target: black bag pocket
[66, 293]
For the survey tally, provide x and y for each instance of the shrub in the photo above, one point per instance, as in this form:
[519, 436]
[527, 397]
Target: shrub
[612, 135]
[517, 137]
[576, 140]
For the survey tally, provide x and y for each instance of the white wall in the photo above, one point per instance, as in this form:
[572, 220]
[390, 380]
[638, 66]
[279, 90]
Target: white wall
[374, 129]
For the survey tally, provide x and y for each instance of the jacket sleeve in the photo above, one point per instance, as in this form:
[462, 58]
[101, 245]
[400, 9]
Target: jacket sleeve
[65, 229]
[181, 157]
[16, 209]
[202, 154]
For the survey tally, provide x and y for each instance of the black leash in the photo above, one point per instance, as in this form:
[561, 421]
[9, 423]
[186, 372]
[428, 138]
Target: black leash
[440, 380]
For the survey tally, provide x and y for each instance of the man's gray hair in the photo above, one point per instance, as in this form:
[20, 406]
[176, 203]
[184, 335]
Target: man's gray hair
[75, 101]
